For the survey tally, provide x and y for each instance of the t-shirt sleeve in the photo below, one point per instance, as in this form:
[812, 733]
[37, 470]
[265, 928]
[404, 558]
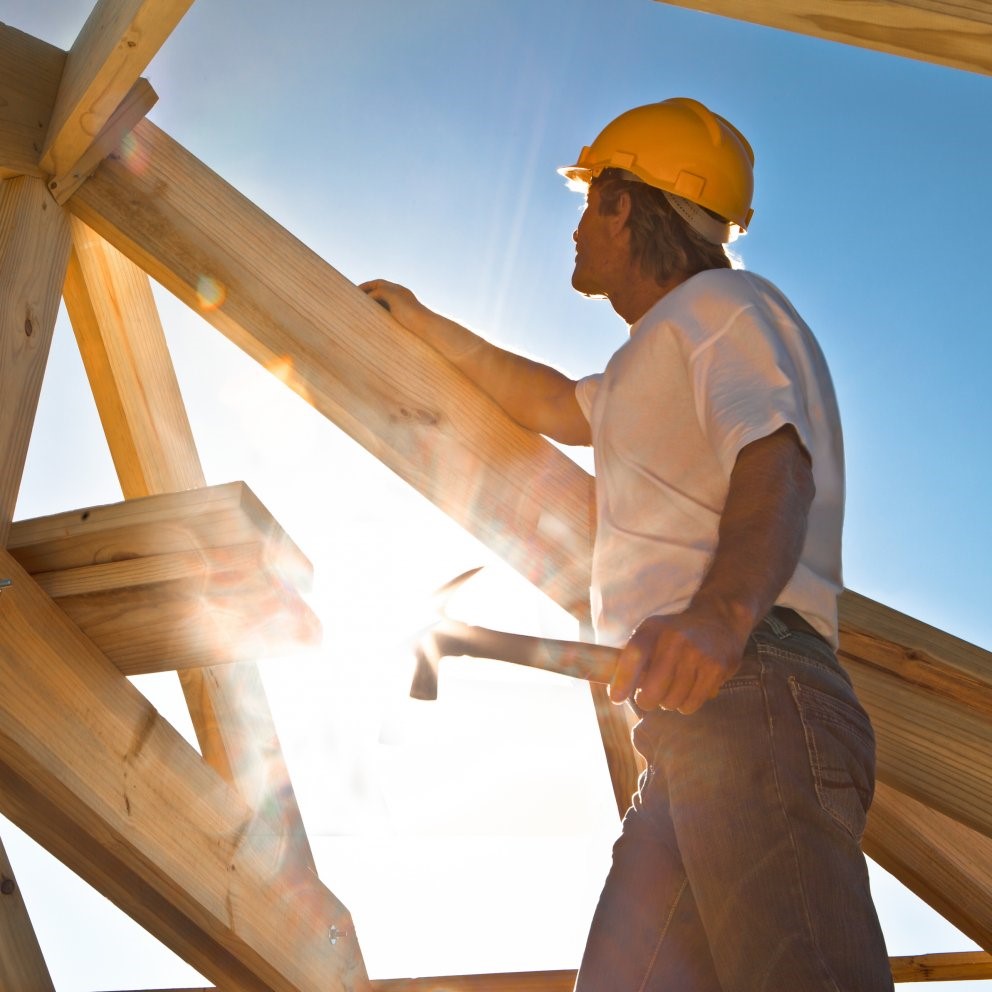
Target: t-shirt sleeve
[585, 393]
[747, 386]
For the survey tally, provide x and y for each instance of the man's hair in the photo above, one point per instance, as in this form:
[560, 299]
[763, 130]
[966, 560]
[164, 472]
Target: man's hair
[660, 240]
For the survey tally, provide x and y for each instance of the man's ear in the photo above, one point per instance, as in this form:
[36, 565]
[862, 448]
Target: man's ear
[620, 216]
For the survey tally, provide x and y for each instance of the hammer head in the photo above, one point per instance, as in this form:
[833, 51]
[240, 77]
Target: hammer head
[424, 683]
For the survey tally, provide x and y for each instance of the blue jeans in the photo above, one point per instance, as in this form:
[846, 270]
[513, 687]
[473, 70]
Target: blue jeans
[739, 867]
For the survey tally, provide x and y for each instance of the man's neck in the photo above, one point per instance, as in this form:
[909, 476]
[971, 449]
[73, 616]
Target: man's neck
[633, 300]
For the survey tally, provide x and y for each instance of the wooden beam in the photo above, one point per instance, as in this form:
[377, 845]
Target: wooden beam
[285, 307]
[124, 801]
[200, 578]
[113, 314]
[514, 491]
[22, 965]
[954, 966]
[134, 383]
[955, 33]
[34, 247]
[139, 100]
[521, 981]
[30, 70]
[930, 699]
[946, 864]
[114, 47]
[274, 298]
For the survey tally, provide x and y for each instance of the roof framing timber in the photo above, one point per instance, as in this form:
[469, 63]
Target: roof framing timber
[945, 863]
[30, 70]
[192, 579]
[180, 222]
[113, 315]
[127, 360]
[282, 304]
[956, 33]
[22, 965]
[124, 801]
[34, 249]
[114, 47]
[209, 245]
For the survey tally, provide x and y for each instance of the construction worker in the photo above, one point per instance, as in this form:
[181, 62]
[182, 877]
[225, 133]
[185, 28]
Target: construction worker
[716, 569]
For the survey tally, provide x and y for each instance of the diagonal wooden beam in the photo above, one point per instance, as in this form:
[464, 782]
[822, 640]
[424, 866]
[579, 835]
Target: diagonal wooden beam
[34, 247]
[948, 865]
[127, 360]
[287, 308]
[22, 965]
[114, 47]
[930, 699]
[956, 33]
[124, 801]
[113, 314]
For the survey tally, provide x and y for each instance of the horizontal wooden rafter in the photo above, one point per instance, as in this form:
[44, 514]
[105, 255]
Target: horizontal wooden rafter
[955, 33]
[126, 803]
[186, 580]
[951, 966]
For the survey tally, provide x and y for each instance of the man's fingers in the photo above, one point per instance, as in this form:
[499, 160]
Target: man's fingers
[628, 670]
[666, 683]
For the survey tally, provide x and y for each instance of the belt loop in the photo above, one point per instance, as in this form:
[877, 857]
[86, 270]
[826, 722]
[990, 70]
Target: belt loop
[778, 628]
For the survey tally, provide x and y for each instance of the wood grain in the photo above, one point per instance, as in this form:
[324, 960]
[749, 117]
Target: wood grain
[114, 47]
[123, 800]
[34, 248]
[955, 33]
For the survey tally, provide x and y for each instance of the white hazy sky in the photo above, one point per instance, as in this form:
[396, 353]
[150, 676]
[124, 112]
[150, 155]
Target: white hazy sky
[417, 140]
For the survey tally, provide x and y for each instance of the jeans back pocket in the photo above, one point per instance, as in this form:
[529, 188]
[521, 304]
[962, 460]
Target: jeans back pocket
[841, 747]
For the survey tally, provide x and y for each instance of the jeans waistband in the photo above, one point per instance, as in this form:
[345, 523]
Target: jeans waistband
[781, 619]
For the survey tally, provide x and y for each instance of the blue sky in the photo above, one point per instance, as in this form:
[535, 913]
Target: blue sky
[418, 141]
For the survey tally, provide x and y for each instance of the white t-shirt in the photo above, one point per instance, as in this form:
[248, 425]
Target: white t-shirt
[720, 361]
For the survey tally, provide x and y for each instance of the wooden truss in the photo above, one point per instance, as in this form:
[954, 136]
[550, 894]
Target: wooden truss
[178, 574]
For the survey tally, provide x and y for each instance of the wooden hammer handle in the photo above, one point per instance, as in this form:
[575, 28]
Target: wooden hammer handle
[592, 662]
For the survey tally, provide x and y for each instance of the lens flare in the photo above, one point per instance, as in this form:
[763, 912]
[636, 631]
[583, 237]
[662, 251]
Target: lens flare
[210, 293]
[282, 368]
[133, 154]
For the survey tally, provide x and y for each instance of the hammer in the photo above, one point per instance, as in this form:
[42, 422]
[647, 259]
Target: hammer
[592, 662]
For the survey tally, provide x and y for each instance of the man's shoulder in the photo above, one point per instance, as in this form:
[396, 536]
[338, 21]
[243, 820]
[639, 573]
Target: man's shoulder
[732, 285]
[706, 298]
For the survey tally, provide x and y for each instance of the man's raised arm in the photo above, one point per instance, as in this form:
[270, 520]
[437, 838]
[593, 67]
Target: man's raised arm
[536, 396]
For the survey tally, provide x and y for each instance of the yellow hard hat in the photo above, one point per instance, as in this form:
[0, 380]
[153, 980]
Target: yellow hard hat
[681, 147]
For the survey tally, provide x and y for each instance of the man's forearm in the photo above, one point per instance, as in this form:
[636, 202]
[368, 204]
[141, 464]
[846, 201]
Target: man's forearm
[537, 396]
[762, 531]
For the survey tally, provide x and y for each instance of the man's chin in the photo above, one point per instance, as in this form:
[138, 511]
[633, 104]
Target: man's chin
[587, 288]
